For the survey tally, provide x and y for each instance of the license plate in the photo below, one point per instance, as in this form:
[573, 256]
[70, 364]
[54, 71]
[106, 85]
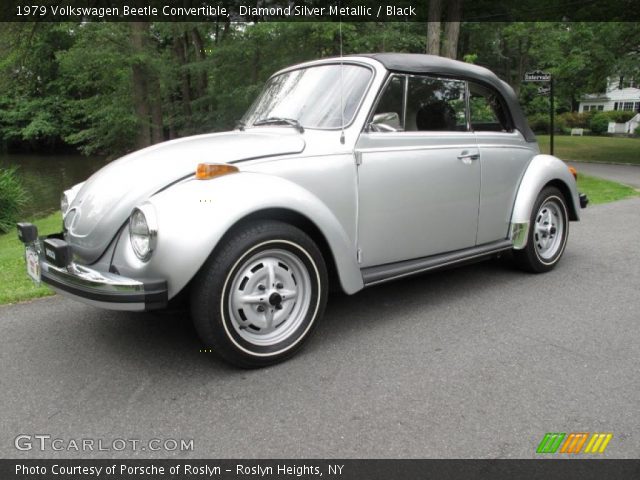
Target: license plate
[33, 264]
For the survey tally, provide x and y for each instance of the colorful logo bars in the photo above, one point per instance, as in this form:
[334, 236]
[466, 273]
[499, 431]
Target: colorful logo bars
[573, 442]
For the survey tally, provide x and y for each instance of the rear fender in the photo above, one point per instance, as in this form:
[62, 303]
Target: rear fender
[543, 170]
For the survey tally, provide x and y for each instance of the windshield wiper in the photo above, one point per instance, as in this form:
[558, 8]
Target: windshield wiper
[274, 120]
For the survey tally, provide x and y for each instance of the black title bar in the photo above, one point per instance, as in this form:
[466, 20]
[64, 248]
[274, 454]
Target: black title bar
[546, 469]
[314, 10]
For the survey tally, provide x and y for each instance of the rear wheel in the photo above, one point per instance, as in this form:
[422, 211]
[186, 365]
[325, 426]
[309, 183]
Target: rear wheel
[548, 233]
[257, 300]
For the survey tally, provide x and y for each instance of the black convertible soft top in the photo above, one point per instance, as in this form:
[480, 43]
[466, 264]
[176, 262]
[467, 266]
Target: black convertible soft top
[422, 63]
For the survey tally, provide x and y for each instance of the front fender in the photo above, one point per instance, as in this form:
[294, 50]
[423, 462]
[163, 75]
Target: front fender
[194, 215]
[541, 171]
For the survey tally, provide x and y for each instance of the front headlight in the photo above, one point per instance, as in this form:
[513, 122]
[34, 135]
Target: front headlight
[143, 231]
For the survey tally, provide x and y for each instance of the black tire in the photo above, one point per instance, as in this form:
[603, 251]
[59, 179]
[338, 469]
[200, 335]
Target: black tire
[533, 258]
[227, 330]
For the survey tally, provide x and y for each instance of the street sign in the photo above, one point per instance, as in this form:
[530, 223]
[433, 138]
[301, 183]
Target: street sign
[537, 76]
[540, 76]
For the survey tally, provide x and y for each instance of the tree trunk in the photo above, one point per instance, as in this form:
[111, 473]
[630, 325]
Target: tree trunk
[147, 98]
[200, 56]
[523, 63]
[141, 105]
[256, 65]
[155, 109]
[433, 27]
[452, 29]
[180, 50]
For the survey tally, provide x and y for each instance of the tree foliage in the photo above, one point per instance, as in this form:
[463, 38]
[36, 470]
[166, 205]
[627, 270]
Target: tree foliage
[13, 197]
[109, 88]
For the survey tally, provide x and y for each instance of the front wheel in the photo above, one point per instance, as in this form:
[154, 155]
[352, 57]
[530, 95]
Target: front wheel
[548, 233]
[258, 298]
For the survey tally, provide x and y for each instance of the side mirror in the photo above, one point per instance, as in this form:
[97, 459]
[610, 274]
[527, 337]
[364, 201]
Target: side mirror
[385, 122]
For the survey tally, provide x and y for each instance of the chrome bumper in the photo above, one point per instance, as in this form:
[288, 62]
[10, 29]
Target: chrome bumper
[103, 289]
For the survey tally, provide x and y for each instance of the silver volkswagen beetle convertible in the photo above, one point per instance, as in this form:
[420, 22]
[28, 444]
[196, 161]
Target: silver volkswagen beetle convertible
[351, 172]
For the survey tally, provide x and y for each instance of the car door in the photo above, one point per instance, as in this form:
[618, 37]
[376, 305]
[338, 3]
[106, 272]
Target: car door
[504, 156]
[418, 174]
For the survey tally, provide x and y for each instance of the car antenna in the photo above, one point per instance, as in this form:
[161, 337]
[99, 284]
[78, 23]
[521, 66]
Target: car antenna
[341, 82]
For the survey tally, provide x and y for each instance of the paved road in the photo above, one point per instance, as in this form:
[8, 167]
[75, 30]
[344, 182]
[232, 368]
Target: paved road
[627, 174]
[476, 362]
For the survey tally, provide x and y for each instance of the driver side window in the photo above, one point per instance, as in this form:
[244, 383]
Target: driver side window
[435, 105]
[413, 103]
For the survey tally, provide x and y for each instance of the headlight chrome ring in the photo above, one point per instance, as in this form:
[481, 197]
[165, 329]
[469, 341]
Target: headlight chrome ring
[65, 201]
[67, 198]
[143, 231]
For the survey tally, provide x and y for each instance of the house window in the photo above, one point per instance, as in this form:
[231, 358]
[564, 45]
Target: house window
[628, 106]
[637, 107]
[586, 108]
[601, 107]
[615, 106]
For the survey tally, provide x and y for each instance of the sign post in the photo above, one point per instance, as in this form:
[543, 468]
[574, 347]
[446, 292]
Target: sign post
[540, 76]
[551, 115]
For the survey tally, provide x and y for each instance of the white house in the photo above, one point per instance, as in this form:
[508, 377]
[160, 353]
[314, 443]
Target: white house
[620, 95]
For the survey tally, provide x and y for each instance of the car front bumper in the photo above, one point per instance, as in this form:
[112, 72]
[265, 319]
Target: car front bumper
[103, 289]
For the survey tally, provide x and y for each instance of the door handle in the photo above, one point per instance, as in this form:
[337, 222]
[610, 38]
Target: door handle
[469, 156]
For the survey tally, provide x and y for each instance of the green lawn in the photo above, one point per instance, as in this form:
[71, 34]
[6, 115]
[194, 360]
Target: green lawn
[604, 191]
[593, 149]
[15, 286]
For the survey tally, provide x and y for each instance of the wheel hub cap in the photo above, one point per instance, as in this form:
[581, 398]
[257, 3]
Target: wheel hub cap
[548, 229]
[269, 297]
[275, 299]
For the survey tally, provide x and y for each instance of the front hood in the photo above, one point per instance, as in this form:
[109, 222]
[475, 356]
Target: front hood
[105, 201]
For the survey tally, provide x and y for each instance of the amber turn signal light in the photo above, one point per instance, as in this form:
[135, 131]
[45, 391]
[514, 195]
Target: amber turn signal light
[205, 171]
[574, 172]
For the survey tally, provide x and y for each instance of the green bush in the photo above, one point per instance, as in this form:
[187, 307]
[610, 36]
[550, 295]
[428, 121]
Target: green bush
[600, 123]
[12, 197]
[559, 124]
[619, 116]
[577, 120]
[539, 122]
[636, 132]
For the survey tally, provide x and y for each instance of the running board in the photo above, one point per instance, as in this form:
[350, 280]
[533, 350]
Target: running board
[392, 271]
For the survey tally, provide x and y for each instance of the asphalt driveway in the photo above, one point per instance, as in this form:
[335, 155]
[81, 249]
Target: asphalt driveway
[475, 362]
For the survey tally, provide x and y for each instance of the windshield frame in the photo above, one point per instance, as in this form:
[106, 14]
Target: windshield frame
[313, 65]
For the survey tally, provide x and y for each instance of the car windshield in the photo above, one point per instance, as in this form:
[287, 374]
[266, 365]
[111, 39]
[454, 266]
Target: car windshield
[310, 97]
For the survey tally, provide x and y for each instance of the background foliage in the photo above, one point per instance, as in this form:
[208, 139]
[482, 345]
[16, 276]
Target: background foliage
[108, 88]
[12, 198]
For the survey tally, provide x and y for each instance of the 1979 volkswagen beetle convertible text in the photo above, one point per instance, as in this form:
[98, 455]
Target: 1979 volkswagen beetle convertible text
[356, 170]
